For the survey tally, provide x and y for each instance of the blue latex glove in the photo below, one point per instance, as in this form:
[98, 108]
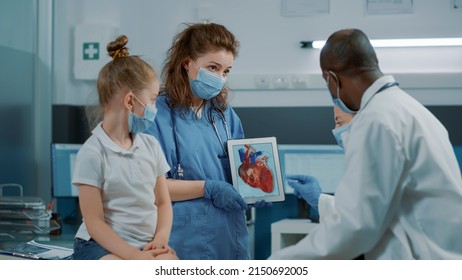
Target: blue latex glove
[260, 204]
[306, 187]
[224, 196]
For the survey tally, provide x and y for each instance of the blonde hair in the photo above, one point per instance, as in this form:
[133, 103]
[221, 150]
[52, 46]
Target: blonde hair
[124, 73]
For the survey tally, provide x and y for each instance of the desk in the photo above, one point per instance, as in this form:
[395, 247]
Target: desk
[7, 257]
[42, 240]
[289, 231]
[66, 239]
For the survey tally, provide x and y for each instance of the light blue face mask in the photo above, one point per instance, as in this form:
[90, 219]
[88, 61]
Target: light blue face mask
[337, 101]
[206, 85]
[338, 132]
[138, 124]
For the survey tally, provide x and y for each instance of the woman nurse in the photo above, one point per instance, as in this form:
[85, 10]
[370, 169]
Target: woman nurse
[193, 123]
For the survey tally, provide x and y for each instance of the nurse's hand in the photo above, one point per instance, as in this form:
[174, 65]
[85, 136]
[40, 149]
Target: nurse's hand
[224, 196]
[260, 204]
[306, 187]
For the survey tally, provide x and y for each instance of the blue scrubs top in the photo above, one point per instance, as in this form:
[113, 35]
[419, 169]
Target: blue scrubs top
[200, 230]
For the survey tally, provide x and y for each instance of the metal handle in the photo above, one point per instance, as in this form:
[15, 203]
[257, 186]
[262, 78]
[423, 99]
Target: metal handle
[12, 185]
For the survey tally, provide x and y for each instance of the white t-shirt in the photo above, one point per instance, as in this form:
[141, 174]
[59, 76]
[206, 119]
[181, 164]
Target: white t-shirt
[127, 179]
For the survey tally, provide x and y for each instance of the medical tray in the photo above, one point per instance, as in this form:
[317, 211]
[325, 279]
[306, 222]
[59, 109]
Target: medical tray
[19, 202]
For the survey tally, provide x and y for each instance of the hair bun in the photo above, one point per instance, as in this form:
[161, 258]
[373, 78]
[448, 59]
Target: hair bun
[117, 48]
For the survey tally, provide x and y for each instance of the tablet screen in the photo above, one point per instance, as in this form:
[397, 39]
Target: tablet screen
[256, 170]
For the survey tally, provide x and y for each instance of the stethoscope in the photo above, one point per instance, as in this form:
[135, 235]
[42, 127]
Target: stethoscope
[387, 85]
[213, 117]
[179, 173]
[384, 87]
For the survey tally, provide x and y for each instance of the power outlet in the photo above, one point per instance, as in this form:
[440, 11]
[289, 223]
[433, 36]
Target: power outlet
[281, 82]
[262, 82]
[299, 82]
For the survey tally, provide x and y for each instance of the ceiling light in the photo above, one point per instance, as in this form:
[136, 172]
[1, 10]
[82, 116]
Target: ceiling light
[393, 43]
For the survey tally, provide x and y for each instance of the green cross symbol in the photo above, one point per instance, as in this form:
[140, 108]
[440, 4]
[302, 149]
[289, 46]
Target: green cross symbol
[90, 51]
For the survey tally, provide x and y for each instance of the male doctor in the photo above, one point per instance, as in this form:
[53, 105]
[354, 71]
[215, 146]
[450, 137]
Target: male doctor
[401, 196]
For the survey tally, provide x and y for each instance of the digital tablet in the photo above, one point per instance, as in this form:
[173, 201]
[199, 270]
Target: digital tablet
[256, 170]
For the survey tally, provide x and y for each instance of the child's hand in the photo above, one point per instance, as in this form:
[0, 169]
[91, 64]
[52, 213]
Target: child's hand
[158, 243]
[149, 254]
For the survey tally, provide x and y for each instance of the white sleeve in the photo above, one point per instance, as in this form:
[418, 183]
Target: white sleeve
[88, 167]
[325, 205]
[362, 208]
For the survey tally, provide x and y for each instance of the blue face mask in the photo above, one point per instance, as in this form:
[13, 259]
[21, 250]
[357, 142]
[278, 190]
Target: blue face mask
[138, 124]
[338, 132]
[207, 85]
[337, 101]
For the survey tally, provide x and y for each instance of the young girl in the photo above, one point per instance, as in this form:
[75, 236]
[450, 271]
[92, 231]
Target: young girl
[120, 171]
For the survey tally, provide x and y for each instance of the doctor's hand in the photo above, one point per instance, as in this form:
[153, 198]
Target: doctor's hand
[306, 187]
[224, 196]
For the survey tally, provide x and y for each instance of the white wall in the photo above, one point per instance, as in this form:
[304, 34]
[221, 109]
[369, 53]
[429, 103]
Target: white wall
[269, 43]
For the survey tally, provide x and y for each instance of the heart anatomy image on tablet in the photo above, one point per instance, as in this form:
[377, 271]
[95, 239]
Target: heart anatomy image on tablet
[255, 169]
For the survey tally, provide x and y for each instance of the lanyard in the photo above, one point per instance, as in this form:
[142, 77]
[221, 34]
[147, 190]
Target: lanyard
[179, 173]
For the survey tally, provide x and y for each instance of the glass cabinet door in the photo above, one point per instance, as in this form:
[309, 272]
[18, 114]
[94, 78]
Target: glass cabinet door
[18, 24]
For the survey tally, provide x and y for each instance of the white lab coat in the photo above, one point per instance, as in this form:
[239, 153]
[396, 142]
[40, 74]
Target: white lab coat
[401, 195]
